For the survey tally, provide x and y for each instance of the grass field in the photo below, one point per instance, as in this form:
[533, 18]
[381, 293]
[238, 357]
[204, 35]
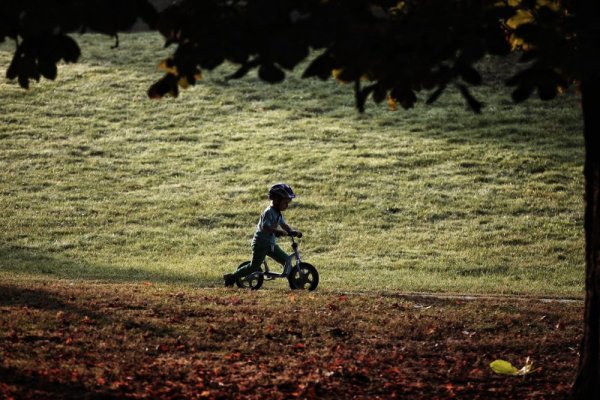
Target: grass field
[98, 182]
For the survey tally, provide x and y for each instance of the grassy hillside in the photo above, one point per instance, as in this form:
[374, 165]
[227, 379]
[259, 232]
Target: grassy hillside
[99, 182]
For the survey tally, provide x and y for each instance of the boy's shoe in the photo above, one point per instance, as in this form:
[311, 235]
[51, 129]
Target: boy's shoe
[229, 280]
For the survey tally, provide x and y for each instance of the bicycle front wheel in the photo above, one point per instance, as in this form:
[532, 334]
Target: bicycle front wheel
[307, 277]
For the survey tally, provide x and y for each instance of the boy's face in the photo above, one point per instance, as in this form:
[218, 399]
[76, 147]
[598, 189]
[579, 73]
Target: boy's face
[282, 204]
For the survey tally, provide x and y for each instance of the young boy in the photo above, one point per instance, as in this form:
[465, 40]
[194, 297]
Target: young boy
[264, 243]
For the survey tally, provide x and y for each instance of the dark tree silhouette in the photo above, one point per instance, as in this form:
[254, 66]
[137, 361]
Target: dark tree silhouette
[41, 27]
[389, 50]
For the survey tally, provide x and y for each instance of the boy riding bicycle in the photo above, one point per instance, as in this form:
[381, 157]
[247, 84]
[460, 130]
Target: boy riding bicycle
[264, 241]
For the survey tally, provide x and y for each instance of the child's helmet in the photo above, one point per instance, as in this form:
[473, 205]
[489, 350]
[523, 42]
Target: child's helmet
[281, 190]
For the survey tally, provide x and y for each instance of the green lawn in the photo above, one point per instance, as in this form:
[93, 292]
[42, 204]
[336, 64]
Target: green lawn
[98, 182]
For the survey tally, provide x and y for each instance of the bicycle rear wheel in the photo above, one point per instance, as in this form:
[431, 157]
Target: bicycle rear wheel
[306, 278]
[253, 281]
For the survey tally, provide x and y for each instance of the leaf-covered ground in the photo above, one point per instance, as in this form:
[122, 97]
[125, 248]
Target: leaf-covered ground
[73, 339]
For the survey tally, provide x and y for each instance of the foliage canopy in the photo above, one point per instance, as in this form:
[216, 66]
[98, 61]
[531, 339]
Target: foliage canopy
[388, 49]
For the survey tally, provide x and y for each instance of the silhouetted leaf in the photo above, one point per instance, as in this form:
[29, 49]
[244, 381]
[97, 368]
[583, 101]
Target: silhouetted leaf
[320, 67]
[347, 74]
[166, 85]
[527, 75]
[530, 33]
[243, 70]
[548, 91]
[523, 92]
[473, 103]
[547, 16]
[48, 70]
[500, 12]
[270, 73]
[361, 95]
[116, 45]
[527, 56]
[168, 65]
[379, 93]
[69, 48]
[435, 95]
[403, 96]
[147, 13]
[471, 53]
[13, 68]
[290, 54]
[497, 42]
[469, 74]
[24, 81]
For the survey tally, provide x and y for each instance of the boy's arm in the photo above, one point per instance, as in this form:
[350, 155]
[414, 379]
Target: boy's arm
[289, 231]
[277, 232]
[286, 228]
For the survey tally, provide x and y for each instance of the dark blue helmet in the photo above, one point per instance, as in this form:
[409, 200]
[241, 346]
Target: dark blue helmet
[281, 190]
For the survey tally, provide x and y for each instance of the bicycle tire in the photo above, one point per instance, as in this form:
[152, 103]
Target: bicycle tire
[253, 283]
[309, 281]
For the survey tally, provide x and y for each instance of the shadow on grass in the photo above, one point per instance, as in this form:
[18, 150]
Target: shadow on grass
[46, 334]
[31, 262]
[42, 299]
[34, 382]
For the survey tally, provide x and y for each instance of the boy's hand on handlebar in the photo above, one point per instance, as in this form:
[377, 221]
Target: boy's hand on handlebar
[294, 233]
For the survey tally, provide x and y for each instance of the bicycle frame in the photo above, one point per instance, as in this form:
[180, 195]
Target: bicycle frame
[287, 268]
[299, 274]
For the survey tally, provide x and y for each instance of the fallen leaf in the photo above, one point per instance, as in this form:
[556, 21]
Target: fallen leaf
[292, 298]
[558, 326]
[162, 348]
[505, 368]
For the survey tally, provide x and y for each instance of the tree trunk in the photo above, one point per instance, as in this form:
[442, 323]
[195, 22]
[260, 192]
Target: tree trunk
[587, 383]
[587, 12]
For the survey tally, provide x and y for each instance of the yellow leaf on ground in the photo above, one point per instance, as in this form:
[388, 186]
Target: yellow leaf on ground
[503, 367]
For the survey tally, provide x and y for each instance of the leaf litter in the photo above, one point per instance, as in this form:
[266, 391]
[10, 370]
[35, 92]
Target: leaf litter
[107, 340]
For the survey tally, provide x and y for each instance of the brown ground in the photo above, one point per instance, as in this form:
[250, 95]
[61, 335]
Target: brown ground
[86, 340]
